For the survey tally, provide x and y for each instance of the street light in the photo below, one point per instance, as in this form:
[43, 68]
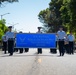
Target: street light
[3, 15]
[18, 30]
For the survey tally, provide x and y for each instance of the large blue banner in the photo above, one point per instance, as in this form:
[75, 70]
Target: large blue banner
[35, 40]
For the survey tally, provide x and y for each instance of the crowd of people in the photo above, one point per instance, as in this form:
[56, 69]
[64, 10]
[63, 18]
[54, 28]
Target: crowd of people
[64, 42]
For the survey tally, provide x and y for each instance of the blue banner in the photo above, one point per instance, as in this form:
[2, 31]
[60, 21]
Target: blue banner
[35, 40]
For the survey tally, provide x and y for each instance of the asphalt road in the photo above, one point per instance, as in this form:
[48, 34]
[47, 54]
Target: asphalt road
[37, 64]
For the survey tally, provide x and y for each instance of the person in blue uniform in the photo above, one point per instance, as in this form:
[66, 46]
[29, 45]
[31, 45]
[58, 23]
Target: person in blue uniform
[71, 39]
[10, 35]
[39, 49]
[66, 45]
[61, 35]
[4, 42]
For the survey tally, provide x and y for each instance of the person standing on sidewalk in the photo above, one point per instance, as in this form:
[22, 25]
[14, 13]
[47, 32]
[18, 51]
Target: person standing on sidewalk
[61, 34]
[71, 39]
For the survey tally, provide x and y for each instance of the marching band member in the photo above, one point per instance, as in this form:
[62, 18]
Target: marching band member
[39, 49]
[71, 39]
[61, 34]
[4, 41]
[10, 35]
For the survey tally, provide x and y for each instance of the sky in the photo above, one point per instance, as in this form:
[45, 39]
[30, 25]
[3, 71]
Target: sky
[24, 14]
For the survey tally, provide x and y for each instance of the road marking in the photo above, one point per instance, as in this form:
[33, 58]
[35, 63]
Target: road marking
[39, 60]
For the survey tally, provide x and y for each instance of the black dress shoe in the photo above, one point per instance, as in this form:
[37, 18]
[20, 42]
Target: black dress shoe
[40, 52]
[5, 53]
[62, 54]
[10, 54]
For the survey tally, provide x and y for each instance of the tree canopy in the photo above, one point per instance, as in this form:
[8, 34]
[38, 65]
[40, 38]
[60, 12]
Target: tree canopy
[3, 2]
[54, 17]
[62, 12]
[3, 28]
[8, 1]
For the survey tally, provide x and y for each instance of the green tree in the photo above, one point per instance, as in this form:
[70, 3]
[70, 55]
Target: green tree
[60, 12]
[45, 19]
[3, 28]
[51, 18]
[68, 14]
[10, 1]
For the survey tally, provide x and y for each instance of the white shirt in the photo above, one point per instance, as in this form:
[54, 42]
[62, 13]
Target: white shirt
[10, 34]
[71, 37]
[61, 34]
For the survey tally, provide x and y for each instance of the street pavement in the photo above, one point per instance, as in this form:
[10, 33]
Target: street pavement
[31, 63]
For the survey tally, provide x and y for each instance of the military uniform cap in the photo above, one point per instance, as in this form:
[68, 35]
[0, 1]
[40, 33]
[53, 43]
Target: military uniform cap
[10, 27]
[20, 32]
[61, 27]
[39, 27]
